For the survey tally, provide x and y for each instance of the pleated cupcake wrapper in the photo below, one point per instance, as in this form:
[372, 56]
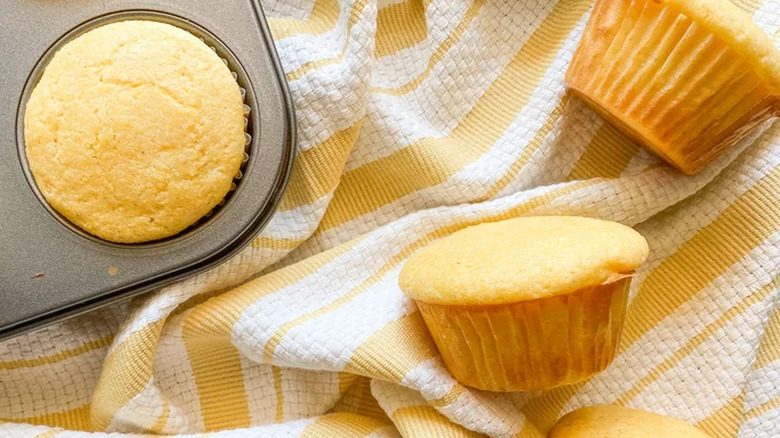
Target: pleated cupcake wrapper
[667, 82]
[247, 137]
[530, 345]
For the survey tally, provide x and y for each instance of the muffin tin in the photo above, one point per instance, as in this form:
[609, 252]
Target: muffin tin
[50, 269]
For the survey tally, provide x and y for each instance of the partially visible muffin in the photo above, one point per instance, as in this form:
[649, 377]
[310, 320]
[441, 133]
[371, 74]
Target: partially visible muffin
[619, 422]
[135, 131]
[529, 303]
[685, 78]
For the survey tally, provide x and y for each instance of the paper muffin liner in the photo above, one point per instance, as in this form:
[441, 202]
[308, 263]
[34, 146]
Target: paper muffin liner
[667, 82]
[247, 137]
[530, 345]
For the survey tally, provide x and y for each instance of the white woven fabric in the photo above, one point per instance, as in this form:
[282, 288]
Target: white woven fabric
[415, 119]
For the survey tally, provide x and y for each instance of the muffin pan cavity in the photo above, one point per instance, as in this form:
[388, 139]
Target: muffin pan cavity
[49, 268]
[250, 109]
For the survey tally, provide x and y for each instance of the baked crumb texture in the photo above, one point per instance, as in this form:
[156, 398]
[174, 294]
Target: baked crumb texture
[135, 131]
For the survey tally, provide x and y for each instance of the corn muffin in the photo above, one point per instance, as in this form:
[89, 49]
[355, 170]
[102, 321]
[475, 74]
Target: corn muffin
[529, 303]
[134, 131]
[620, 422]
[685, 78]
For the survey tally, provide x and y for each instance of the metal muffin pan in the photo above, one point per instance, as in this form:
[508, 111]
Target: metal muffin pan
[50, 269]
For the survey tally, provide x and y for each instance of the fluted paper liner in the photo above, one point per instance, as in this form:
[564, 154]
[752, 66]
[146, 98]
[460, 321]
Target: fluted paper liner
[530, 345]
[667, 82]
[247, 137]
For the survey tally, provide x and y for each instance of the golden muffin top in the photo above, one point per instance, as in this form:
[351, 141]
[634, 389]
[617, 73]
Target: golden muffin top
[135, 131]
[522, 259]
[620, 422]
[738, 30]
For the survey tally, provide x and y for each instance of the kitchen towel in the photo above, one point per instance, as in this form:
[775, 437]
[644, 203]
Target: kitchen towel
[417, 118]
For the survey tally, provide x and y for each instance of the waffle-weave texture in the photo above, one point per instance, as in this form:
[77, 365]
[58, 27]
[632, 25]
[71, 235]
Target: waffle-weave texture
[417, 118]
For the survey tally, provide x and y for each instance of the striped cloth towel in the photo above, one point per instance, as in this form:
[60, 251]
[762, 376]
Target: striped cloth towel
[418, 118]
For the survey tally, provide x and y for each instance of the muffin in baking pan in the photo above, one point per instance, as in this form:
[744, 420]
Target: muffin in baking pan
[135, 131]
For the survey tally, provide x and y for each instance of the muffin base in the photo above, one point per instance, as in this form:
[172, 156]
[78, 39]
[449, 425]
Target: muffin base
[667, 82]
[531, 345]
